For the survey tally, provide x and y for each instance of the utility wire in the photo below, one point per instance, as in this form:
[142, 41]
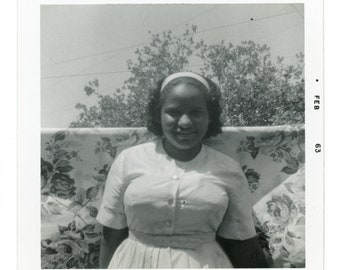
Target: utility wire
[95, 54]
[102, 92]
[115, 55]
[125, 71]
[298, 11]
[95, 73]
[84, 74]
[143, 43]
[123, 48]
[136, 45]
[280, 32]
[245, 22]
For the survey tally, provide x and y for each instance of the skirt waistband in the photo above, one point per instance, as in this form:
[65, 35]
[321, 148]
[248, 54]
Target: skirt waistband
[186, 241]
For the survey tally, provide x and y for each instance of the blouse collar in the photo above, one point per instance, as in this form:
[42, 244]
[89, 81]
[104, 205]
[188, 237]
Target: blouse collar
[199, 157]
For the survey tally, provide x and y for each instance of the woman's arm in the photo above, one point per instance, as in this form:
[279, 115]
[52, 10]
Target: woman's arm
[244, 253]
[111, 239]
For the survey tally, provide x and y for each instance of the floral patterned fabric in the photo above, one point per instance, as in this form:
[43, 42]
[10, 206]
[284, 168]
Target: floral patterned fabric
[75, 163]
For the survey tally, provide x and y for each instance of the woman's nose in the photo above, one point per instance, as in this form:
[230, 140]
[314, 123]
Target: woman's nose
[184, 121]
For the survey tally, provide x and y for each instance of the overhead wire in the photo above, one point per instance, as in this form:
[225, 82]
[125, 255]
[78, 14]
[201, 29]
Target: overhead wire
[202, 31]
[198, 32]
[298, 11]
[133, 46]
[95, 54]
[121, 48]
[279, 32]
[245, 22]
[84, 74]
[117, 72]
[101, 92]
[136, 45]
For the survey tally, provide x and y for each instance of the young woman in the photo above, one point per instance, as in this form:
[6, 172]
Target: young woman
[175, 202]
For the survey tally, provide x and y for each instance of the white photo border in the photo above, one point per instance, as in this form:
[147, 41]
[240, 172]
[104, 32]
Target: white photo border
[29, 127]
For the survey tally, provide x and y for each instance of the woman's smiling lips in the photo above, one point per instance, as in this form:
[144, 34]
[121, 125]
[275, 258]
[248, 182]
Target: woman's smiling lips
[186, 135]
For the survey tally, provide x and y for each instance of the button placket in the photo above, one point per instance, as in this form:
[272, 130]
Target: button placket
[181, 203]
[176, 177]
[178, 172]
[169, 223]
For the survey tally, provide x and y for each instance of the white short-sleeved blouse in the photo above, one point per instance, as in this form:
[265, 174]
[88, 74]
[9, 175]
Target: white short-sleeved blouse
[175, 209]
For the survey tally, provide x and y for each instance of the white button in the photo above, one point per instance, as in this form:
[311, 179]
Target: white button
[182, 204]
[175, 177]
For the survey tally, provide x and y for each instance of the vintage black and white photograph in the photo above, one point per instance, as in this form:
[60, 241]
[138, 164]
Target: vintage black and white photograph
[172, 136]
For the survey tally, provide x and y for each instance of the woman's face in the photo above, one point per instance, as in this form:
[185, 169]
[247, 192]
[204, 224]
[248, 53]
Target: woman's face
[184, 119]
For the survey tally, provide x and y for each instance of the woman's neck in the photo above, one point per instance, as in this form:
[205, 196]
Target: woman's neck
[183, 155]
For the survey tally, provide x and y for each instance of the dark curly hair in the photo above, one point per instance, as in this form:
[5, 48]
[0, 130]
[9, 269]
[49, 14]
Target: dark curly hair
[213, 104]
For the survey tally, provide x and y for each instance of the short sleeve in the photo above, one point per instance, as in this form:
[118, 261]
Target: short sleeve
[111, 212]
[238, 223]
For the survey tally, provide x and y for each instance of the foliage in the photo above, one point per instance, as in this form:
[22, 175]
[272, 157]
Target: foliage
[256, 90]
[126, 107]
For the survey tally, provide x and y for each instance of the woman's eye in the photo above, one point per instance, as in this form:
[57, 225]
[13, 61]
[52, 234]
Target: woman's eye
[174, 113]
[196, 113]
[178, 114]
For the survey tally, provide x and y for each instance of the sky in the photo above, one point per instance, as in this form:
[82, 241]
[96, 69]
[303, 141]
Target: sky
[80, 43]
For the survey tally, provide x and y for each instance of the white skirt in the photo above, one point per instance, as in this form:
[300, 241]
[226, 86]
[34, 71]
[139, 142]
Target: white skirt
[134, 253]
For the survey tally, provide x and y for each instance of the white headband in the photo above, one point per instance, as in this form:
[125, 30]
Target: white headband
[184, 74]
